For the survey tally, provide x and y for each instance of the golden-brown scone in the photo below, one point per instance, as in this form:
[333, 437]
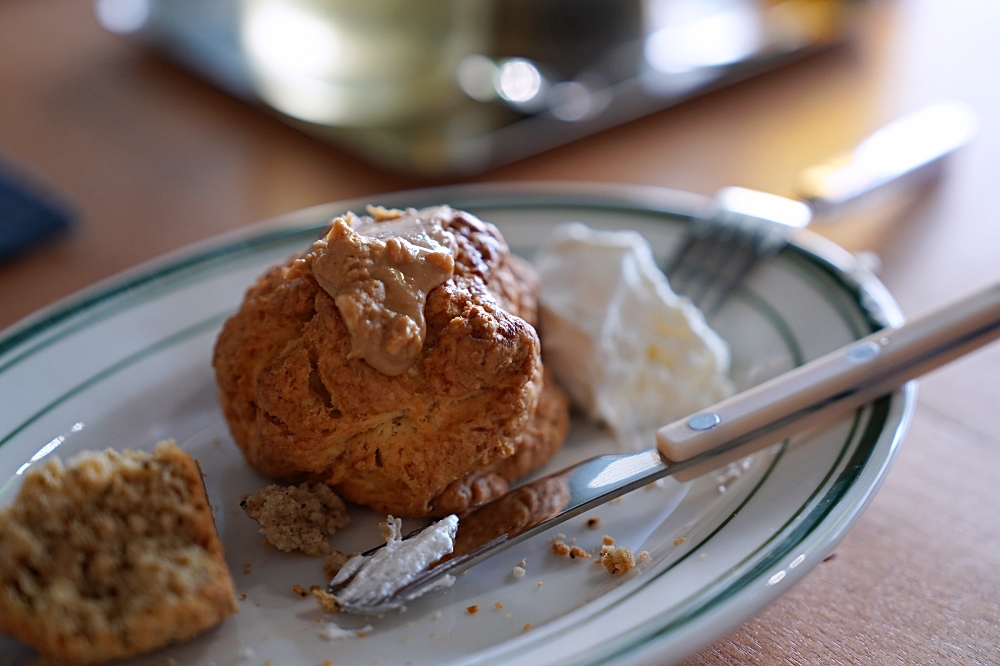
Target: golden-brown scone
[110, 556]
[535, 446]
[302, 410]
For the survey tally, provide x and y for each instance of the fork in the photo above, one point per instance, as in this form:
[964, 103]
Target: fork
[740, 228]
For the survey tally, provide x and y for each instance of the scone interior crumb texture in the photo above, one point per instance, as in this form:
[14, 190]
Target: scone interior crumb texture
[111, 555]
[297, 517]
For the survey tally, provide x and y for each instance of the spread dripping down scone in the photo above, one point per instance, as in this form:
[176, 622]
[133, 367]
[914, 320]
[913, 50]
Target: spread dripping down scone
[396, 361]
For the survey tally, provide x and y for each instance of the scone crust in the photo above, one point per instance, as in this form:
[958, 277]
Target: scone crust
[301, 410]
[535, 445]
[85, 582]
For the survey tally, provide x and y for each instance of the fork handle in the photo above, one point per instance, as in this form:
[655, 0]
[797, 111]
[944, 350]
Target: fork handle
[903, 153]
[834, 385]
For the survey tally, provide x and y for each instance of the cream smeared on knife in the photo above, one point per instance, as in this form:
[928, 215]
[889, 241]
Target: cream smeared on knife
[373, 580]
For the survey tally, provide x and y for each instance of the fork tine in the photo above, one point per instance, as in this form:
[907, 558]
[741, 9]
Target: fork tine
[701, 237]
[717, 254]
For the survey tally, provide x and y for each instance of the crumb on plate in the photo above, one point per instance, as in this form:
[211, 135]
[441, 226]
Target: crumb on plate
[333, 562]
[617, 559]
[297, 517]
[326, 600]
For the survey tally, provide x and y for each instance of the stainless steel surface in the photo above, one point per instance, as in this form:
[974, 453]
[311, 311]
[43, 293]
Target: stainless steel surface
[442, 87]
[745, 227]
[815, 393]
[721, 247]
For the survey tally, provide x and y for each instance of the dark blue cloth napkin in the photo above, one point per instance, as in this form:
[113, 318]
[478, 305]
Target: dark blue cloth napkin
[28, 214]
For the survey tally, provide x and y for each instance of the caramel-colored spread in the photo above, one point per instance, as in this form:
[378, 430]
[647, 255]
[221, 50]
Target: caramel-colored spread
[379, 272]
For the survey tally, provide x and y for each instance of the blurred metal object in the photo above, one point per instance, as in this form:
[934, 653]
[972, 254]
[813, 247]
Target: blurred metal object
[456, 86]
[744, 227]
[723, 246]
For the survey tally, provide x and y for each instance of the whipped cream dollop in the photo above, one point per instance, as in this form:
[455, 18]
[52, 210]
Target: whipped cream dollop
[377, 577]
[628, 350]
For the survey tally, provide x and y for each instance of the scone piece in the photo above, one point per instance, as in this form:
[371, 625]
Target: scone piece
[297, 517]
[535, 445]
[111, 555]
[303, 406]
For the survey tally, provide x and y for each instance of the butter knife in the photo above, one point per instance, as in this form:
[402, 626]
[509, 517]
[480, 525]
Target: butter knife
[812, 395]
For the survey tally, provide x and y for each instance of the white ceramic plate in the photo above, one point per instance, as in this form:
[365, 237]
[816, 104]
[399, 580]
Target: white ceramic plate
[127, 363]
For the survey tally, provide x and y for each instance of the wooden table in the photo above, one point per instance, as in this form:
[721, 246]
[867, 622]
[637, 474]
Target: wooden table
[155, 159]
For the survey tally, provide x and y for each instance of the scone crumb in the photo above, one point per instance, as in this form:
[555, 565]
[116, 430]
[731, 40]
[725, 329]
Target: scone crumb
[593, 522]
[617, 559]
[539, 584]
[644, 557]
[576, 552]
[243, 597]
[333, 562]
[326, 600]
[110, 555]
[560, 548]
[436, 616]
[526, 627]
[518, 572]
[297, 517]
[607, 541]
[381, 213]
[299, 590]
[473, 609]
[679, 540]
[389, 528]
[498, 606]
[327, 662]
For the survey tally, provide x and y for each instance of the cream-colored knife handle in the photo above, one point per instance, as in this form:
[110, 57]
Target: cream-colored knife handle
[837, 383]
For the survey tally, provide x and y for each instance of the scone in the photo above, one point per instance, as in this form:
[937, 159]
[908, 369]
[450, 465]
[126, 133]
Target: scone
[535, 445]
[396, 357]
[110, 556]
